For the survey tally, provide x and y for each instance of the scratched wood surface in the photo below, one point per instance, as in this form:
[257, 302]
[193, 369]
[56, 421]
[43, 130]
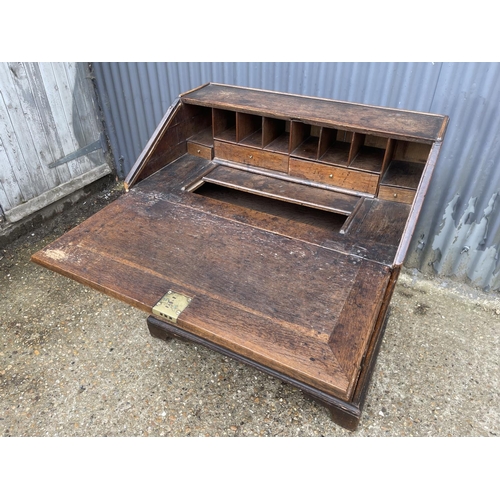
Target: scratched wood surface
[274, 299]
[384, 121]
[283, 190]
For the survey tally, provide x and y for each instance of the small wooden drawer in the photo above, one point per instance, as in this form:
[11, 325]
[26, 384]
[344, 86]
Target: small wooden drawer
[251, 156]
[202, 151]
[391, 193]
[334, 176]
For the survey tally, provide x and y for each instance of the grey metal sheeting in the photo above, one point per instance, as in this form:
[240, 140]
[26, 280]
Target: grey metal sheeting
[458, 233]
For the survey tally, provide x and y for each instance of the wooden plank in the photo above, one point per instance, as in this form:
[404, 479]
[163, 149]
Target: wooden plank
[403, 174]
[224, 125]
[86, 109]
[276, 344]
[298, 134]
[274, 135]
[56, 193]
[401, 195]
[251, 156]
[386, 122]
[204, 137]
[18, 144]
[50, 147]
[335, 146]
[334, 176]
[307, 149]
[417, 204]
[283, 190]
[353, 330]
[199, 150]
[17, 139]
[368, 159]
[247, 125]
[61, 115]
[380, 221]
[64, 77]
[189, 170]
[281, 214]
[411, 151]
[356, 144]
[11, 194]
[150, 148]
[169, 141]
[273, 299]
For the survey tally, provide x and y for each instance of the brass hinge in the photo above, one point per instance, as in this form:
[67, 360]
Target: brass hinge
[171, 305]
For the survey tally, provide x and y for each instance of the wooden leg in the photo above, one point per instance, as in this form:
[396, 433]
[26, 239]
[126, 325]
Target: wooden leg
[345, 414]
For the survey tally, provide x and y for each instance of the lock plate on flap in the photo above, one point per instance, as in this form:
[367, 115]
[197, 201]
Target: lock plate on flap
[170, 306]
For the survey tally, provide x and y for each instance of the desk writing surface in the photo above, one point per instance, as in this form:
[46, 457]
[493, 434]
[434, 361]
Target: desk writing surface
[301, 307]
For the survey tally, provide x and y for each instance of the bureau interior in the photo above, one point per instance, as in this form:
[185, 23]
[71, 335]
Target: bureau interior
[335, 158]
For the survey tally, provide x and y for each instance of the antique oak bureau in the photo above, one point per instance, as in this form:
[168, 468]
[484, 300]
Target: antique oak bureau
[269, 227]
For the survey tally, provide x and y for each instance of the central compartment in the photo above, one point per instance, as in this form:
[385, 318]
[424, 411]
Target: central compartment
[283, 209]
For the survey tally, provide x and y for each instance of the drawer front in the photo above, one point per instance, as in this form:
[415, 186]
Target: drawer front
[199, 150]
[396, 194]
[334, 176]
[251, 156]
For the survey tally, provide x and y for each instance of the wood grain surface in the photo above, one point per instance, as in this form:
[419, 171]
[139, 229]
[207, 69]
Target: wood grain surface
[271, 298]
[383, 121]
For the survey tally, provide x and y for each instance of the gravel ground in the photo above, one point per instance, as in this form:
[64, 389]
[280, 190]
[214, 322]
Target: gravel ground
[74, 362]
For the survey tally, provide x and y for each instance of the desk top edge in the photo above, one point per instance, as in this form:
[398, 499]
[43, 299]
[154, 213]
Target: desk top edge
[417, 125]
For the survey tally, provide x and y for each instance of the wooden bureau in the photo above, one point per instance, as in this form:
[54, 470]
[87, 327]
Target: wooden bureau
[269, 227]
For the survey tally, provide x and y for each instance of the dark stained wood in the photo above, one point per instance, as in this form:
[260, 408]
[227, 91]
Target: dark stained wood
[411, 151]
[298, 134]
[368, 159]
[350, 337]
[249, 129]
[282, 190]
[396, 194]
[380, 221]
[251, 156]
[189, 171]
[403, 174]
[150, 148]
[199, 150]
[286, 220]
[391, 143]
[203, 138]
[275, 136]
[357, 141]
[288, 213]
[334, 176]
[308, 148]
[337, 154]
[161, 158]
[332, 150]
[417, 204]
[250, 288]
[382, 121]
[224, 125]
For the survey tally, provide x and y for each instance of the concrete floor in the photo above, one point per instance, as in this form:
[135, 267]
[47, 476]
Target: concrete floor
[74, 362]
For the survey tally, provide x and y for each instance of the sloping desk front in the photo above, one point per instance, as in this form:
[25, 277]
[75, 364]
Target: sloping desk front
[268, 227]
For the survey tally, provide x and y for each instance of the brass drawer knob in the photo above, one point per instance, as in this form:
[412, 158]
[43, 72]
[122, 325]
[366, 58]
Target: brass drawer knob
[331, 176]
[198, 150]
[395, 195]
[250, 156]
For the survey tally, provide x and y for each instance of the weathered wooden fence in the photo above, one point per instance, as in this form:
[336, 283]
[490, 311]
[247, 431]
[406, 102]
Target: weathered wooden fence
[51, 136]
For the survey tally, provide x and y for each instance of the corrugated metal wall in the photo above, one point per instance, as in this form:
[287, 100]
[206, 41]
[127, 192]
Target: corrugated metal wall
[458, 233]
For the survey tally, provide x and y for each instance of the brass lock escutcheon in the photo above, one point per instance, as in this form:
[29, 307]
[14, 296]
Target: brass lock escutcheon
[170, 306]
